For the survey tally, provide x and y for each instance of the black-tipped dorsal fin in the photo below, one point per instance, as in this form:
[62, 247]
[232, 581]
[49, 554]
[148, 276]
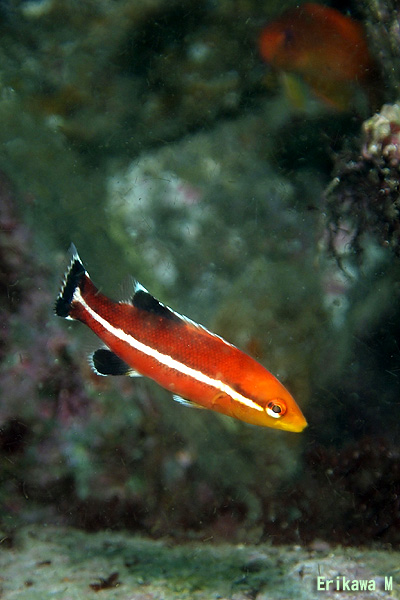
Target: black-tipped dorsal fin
[106, 362]
[143, 300]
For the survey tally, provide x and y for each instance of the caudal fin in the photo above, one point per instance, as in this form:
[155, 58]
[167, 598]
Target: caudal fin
[72, 280]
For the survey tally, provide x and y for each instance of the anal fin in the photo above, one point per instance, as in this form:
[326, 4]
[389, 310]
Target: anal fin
[106, 362]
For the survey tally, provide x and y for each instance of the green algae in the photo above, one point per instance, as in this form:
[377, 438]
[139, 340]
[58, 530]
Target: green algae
[48, 562]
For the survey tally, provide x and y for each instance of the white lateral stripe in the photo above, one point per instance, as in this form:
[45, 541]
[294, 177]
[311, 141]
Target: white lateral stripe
[164, 359]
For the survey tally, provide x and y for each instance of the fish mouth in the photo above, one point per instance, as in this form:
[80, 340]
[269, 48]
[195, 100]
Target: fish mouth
[296, 425]
[299, 427]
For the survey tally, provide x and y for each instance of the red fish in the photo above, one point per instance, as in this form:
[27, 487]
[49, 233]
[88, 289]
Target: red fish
[145, 337]
[326, 48]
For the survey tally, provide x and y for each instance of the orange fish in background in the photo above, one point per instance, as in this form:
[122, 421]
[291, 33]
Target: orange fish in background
[326, 48]
[145, 337]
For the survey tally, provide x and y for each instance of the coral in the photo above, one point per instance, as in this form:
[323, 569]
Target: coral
[382, 140]
[363, 199]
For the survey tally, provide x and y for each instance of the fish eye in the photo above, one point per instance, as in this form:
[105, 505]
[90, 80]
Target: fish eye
[275, 409]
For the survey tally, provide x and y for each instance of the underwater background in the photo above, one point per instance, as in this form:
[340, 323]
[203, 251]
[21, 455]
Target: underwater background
[153, 135]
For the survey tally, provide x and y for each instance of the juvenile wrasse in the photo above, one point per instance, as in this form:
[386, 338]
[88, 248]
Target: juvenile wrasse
[145, 337]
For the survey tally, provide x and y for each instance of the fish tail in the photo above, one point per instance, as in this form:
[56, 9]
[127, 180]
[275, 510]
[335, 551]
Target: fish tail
[73, 282]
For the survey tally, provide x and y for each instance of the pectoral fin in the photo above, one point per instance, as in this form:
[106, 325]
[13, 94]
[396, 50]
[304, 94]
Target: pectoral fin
[186, 402]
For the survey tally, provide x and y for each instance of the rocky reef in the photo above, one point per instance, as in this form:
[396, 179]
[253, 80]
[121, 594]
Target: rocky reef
[54, 562]
[156, 141]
